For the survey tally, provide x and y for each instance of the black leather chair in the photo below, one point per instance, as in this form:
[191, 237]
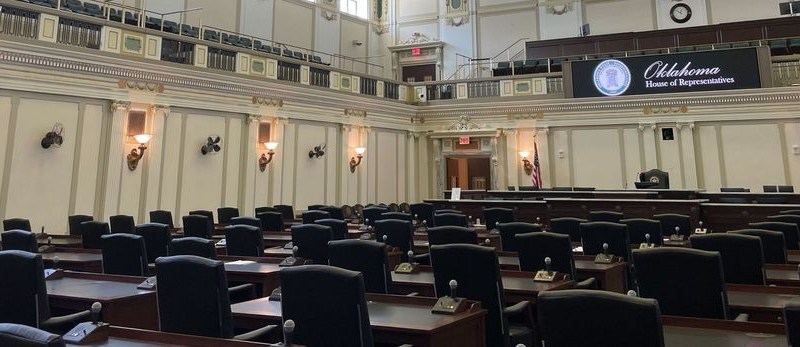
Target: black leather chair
[271, 221]
[316, 207]
[639, 227]
[535, 246]
[773, 244]
[423, 211]
[398, 234]
[791, 234]
[636, 322]
[785, 189]
[686, 282]
[394, 207]
[198, 226]
[193, 298]
[193, 246]
[405, 208]
[253, 222]
[224, 214]
[450, 219]
[358, 211]
[670, 221]
[162, 217]
[373, 214]
[244, 241]
[367, 257]
[122, 224]
[396, 215]
[742, 256]
[495, 215]
[91, 232]
[124, 254]
[16, 224]
[327, 305]
[477, 272]
[19, 240]
[787, 218]
[263, 209]
[509, 231]
[660, 178]
[287, 211]
[567, 226]
[310, 216]
[311, 241]
[794, 212]
[448, 235]
[206, 213]
[18, 335]
[605, 216]
[75, 223]
[23, 294]
[348, 212]
[156, 239]
[447, 210]
[335, 212]
[595, 234]
[791, 314]
[338, 227]
[734, 190]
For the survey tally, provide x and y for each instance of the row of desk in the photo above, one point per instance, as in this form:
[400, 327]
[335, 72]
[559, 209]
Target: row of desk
[669, 194]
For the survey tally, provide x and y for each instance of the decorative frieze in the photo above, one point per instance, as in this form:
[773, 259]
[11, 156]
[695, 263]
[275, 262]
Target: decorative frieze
[141, 86]
[258, 100]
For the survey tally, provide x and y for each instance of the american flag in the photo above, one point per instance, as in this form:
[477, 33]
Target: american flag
[537, 170]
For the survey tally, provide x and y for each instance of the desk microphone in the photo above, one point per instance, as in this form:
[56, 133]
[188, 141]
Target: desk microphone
[453, 287]
[701, 224]
[677, 230]
[647, 239]
[410, 257]
[538, 220]
[547, 263]
[632, 293]
[96, 307]
[385, 237]
[49, 240]
[288, 329]
[416, 218]
[487, 242]
[55, 262]
[605, 249]
[294, 251]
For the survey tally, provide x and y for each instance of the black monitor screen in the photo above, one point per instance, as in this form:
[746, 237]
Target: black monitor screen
[669, 73]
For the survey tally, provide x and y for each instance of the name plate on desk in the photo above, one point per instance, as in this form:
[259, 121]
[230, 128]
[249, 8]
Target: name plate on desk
[700, 231]
[448, 305]
[545, 276]
[86, 333]
[645, 245]
[291, 261]
[149, 283]
[604, 258]
[406, 268]
[53, 274]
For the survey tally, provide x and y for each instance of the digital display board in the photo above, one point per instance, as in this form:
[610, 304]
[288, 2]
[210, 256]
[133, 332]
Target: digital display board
[668, 73]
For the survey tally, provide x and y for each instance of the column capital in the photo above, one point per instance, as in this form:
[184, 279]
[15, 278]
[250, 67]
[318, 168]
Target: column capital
[509, 132]
[162, 108]
[251, 117]
[346, 128]
[680, 125]
[545, 130]
[120, 105]
[412, 134]
[645, 125]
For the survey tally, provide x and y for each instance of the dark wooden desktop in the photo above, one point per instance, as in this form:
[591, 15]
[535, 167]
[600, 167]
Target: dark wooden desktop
[75, 259]
[123, 303]
[262, 271]
[611, 277]
[131, 337]
[685, 331]
[783, 274]
[394, 320]
[761, 303]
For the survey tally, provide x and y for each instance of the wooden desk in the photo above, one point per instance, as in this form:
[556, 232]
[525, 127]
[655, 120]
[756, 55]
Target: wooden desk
[394, 320]
[725, 217]
[631, 208]
[123, 303]
[129, 337]
[524, 210]
[685, 331]
[75, 259]
[783, 274]
[551, 194]
[762, 303]
[263, 272]
[793, 256]
[752, 198]
[62, 241]
[611, 277]
[517, 286]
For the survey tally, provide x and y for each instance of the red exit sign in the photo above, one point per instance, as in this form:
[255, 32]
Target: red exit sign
[463, 140]
[416, 51]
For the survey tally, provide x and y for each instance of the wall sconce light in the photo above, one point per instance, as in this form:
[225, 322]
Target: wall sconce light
[264, 160]
[360, 155]
[526, 164]
[211, 145]
[318, 151]
[137, 153]
[54, 138]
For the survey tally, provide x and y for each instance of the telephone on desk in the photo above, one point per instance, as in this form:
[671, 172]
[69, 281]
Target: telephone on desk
[48, 248]
[53, 273]
[288, 245]
[89, 332]
[366, 236]
[646, 244]
[222, 243]
[275, 295]
[149, 283]
[546, 275]
[450, 304]
[677, 235]
[408, 267]
[605, 257]
[292, 260]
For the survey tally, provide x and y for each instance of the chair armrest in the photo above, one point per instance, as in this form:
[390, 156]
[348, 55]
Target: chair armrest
[589, 283]
[62, 324]
[258, 335]
[517, 308]
[241, 293]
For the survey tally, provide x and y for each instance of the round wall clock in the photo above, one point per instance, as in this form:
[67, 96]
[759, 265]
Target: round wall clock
[680, 13]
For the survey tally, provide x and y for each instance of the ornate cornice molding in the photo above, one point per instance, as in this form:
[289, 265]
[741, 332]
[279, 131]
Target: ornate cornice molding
[120, 105]
[141, 86]
[349, 112]
[257, 100]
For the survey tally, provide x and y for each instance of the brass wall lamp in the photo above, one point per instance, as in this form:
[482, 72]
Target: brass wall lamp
[360, 155]
[526, 164]
[266, 158]
[137, 153]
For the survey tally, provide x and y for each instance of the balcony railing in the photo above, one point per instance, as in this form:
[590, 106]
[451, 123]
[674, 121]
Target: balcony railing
[19, 22]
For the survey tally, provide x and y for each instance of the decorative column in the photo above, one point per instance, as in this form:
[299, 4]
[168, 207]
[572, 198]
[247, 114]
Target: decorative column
[547, 168]
[512, 159]
[275, 168]
[349, 180]
[116, 156]
[411, 167]
[152, 197]
[686, 137]
[648, 131]
[248, 199]
[493, 169]
[439, 168]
